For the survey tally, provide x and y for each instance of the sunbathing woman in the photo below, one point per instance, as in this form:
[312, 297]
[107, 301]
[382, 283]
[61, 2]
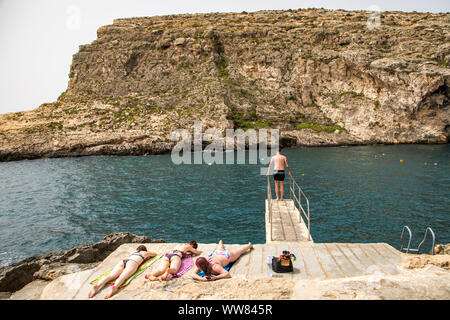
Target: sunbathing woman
[213, 267]
[171, 262]
[122, 271]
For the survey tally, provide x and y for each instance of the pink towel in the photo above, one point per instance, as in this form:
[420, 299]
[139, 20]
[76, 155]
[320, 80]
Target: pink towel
[186, 264]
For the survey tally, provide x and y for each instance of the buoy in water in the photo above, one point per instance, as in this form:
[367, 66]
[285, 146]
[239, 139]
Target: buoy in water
[401, 160]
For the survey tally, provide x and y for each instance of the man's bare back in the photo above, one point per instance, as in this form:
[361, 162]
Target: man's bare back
[278, 162]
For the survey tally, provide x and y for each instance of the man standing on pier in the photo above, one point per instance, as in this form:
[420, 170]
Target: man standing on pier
[279, 162]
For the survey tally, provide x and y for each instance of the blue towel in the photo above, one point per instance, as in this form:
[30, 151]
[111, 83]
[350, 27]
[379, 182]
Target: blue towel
[228, 267]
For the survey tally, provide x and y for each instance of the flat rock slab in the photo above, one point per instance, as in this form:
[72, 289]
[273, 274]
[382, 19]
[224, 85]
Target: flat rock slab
[314, 261]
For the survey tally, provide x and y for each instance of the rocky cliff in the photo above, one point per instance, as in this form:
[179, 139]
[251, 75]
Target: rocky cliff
[322, 77]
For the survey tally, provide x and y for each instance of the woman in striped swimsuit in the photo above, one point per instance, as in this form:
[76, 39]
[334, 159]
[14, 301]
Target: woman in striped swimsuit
[213, 266]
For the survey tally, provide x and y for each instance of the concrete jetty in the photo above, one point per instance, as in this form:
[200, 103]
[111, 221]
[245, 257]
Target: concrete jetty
[314, 261]
[285, 230]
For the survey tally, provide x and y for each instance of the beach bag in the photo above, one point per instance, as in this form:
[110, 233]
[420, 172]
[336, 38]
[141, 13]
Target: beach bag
[283, 263]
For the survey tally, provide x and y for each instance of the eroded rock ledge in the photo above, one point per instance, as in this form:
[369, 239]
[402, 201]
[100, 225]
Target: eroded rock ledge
[53, 265]
[320, 76]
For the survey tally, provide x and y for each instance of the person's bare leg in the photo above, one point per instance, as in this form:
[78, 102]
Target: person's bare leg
[236, 253]
[165, 274]
[220, 246]
[281, 189]
[126, 273]
[175, 264]
[116, 271]
[276, 188]
[153, 276]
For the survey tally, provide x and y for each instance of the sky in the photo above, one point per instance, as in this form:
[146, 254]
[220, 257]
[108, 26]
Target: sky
[39, 37]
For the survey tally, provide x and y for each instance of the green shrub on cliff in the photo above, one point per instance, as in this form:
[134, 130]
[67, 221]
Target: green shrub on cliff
[318, 127]
[352, 93]
[249, 120]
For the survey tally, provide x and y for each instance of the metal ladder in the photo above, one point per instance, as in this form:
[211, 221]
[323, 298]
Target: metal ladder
[408, 249]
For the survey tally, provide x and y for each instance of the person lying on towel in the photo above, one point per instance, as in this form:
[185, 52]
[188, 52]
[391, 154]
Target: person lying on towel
[171, 261]
[122, 271]
[217, 264]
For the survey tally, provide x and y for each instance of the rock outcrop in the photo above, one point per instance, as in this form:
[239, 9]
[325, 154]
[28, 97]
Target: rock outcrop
[440, 259]
[54, 265]
[322, 77]
[442, 249]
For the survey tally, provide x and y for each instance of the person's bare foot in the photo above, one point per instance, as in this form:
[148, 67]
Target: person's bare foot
[151, 277]
[166, 273]
[93, 291]
[168, 278]
[250, 245]
[111, 291]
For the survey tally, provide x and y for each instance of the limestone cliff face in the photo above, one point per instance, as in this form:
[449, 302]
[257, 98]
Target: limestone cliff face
[322, 77]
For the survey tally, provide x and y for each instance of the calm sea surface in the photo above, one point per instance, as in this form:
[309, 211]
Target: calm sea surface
[357, 194]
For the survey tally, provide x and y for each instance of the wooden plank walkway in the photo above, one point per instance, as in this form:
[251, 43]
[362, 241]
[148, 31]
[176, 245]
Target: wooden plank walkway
[286, 224]
[318, 261]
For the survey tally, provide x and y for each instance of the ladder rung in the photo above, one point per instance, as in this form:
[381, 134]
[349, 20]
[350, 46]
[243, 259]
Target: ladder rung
[410, 250]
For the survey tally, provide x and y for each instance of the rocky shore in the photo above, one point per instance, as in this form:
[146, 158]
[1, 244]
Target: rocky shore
[322, 77]
[45, 268]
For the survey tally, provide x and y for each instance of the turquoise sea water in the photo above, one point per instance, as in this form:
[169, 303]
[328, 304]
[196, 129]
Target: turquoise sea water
[357, 194]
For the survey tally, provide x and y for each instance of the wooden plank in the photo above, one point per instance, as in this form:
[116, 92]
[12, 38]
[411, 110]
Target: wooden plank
[255, 265]
[350, 256]
[277, 224]
[240, 267]
[312, 265]
[285, 225]
[299, 264]
[391, 248]
[355, 260]
[271, 250]
[326, 261]
[242, 263]
[295, 216]
[347, 267]
[264, 253]
[370, 266]
[379, 259]
[302, 257]
[393, 258]
[391, 251]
